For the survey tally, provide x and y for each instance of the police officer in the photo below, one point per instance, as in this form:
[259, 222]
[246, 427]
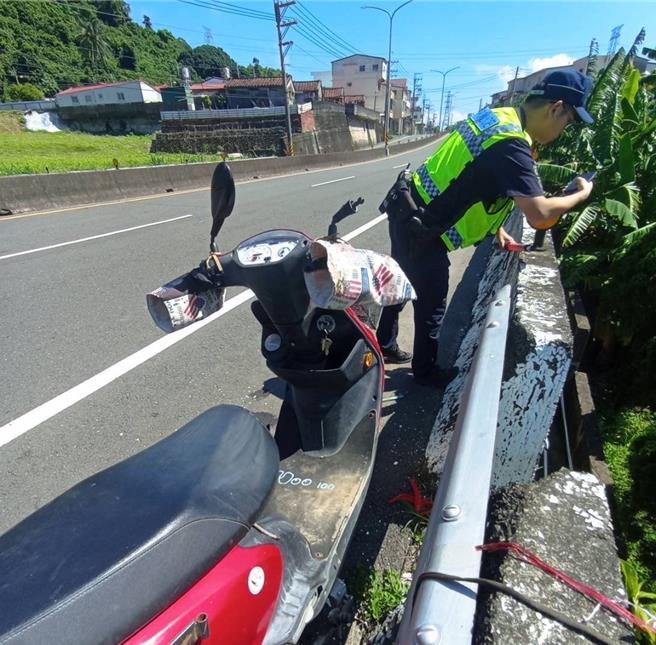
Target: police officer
[464, 192]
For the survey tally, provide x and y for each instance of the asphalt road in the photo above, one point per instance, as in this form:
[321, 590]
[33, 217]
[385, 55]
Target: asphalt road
[77, 393]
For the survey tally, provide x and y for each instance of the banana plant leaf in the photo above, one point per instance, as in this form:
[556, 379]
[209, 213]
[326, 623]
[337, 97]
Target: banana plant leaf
[621, 212]
[580, 224]
[555, 176]
[636, 236]
[628, 194]
[625, 159]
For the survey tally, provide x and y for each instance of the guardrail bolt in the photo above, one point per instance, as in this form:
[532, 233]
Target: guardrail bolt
[451, 512]
[427, 635]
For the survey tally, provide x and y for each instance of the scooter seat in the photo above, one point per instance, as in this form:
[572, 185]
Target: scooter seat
[101, 560]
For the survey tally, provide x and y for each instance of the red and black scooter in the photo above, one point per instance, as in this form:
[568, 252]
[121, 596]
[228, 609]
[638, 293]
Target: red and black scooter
[221, 532]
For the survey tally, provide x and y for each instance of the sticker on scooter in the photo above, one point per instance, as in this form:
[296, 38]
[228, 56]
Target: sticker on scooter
[288, 478]
[256, 580]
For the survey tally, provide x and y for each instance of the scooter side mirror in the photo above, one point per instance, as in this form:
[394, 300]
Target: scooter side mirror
[222, 198]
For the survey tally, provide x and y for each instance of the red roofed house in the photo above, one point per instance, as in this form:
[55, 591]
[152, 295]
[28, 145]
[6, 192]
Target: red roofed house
[214, 88]
[108, 94]
[308, 91]
[256, 92]
[355, 99]
[333, 94]
[116, 108]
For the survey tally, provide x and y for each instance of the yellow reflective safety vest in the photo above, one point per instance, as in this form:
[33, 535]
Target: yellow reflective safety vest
[472, 136]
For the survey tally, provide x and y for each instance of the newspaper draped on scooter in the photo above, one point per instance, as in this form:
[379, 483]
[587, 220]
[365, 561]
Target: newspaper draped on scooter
[338, 276]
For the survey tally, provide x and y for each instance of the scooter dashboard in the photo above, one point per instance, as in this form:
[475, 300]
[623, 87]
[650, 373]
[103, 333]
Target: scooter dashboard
[267, 248]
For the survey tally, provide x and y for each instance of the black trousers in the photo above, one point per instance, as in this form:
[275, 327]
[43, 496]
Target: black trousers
[426, 263]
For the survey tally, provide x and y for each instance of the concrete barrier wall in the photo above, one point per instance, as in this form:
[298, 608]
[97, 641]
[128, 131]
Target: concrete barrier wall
[22, 193]
[536, 364]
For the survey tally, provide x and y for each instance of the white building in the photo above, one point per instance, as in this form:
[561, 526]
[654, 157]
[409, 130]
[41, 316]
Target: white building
[401, 112]
[108, 94]
[520, 87]
[362, 75]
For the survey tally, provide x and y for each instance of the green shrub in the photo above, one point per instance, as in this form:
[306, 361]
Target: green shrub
[22, 92]
[630, 450]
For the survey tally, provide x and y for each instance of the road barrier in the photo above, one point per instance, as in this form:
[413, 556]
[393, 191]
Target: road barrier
[443, 612]
[23, 193]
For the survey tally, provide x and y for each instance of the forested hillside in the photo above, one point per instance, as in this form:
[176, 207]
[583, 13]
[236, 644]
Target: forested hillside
[54, 44]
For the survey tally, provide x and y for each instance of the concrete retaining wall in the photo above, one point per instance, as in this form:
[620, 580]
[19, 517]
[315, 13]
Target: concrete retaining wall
[537, 361]
[565, 520]
[22, 193]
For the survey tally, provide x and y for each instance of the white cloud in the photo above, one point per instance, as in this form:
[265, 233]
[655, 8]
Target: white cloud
[456, 116]
[559, 60]
[506, 73]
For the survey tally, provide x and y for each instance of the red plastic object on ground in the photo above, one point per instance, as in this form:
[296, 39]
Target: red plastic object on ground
[516, 248]
[244, 580]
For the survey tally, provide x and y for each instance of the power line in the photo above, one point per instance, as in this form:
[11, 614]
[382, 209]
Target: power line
[305, 51]
[205, 5]
[318, 32]
[310, 37]
[323, 25]
[243, 11]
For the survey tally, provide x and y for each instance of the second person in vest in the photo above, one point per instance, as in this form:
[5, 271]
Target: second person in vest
[464, 192]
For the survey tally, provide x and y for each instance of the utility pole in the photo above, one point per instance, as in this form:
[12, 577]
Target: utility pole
[480, 104]
[512, 94]
[614, 39]
[389, 65]
[416, 77]
[447, 110]
[283, 46]
[437, 71]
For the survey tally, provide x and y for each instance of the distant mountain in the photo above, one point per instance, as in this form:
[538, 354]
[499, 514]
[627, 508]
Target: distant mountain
[55, 44]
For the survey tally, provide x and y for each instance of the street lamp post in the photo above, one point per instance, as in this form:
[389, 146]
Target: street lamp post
[389, 65]
[437, 71]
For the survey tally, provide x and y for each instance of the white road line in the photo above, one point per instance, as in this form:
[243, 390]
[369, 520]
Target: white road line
[332, 181]
[92, 237]
[49, 409]
[401, 165]
[365, 227]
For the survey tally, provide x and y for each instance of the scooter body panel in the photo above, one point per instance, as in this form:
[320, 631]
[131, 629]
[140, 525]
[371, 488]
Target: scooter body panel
[246, 580]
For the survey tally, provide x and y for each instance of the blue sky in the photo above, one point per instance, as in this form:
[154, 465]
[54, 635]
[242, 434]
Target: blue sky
[486, 40]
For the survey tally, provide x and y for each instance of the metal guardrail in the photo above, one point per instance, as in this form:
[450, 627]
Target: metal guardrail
[238, 113]
[443, 612]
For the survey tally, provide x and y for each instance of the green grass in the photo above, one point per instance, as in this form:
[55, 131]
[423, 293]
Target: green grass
[26, 152]
[378, 592]
[630, 450]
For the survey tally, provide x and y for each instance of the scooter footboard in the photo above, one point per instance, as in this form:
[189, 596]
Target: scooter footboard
[330, 404]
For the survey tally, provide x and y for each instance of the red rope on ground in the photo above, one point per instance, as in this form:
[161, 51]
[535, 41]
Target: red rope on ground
[524, 555]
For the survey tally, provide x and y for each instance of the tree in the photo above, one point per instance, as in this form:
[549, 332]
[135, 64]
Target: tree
[113, 13]
[147, 23]
[257, 70]
[23, 92]
[207, 60]
[93, 46]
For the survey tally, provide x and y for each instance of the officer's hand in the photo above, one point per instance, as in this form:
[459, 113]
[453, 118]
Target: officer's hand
[417, 227]
[584, 188]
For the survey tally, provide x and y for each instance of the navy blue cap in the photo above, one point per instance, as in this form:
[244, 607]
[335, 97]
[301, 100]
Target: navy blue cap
[567, 85]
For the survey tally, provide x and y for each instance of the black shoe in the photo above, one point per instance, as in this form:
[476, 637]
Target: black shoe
[438, 377]
[396, 355]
